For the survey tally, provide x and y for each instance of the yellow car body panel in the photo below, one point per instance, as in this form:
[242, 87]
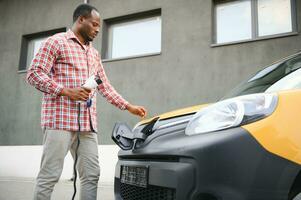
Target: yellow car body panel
[280, 133]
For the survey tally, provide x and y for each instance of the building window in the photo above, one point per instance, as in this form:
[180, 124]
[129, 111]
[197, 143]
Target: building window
[132, 36]
[243, 20]
[233, 21]
[31, 44]
[274, 17]
[33, 47]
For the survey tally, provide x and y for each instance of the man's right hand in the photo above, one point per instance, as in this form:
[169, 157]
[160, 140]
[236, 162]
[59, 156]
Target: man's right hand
[76, 94]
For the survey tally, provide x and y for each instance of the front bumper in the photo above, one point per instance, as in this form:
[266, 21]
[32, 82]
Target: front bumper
[225, 165]
[164, 178]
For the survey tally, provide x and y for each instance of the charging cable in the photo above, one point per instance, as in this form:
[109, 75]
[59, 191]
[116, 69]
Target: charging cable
[76, 156]
[91, 83]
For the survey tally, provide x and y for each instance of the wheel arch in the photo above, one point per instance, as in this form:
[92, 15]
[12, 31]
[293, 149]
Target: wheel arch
[296, 187]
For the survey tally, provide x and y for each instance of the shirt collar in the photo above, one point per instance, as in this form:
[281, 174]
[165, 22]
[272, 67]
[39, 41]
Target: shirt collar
[71, 35]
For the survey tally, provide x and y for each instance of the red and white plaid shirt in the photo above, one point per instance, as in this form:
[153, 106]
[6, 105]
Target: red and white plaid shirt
[63, 61]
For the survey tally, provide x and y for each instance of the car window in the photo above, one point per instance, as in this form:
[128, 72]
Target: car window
[276, 77]
[291, 81]
[263, 72]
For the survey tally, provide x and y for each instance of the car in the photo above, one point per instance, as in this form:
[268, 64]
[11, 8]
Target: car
[247, 146]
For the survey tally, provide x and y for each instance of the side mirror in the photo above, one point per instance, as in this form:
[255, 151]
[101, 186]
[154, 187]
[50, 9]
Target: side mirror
[123, 136]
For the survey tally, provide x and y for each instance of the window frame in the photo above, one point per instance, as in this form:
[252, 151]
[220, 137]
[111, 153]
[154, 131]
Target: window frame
[26, 39]
[106, 51]
[254, 24]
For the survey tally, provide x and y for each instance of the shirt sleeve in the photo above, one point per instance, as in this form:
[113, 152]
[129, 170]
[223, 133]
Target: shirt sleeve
[38, 74]
[107, 90]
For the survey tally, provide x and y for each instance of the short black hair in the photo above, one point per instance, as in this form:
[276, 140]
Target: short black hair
[83, 10]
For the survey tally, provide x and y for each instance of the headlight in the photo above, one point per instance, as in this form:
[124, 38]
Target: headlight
[232, 112]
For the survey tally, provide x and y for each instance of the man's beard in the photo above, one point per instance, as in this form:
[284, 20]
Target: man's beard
[86, 36]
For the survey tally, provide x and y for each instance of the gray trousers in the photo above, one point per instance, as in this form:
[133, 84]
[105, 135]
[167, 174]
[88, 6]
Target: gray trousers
[57, 143]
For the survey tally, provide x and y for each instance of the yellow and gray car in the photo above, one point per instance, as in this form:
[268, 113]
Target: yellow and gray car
[247, 146]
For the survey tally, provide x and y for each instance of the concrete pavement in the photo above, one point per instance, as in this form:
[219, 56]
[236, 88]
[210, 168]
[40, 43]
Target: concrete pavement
[22, 189]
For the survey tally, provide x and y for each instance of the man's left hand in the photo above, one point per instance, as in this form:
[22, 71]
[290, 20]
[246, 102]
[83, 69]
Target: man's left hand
[137, 110]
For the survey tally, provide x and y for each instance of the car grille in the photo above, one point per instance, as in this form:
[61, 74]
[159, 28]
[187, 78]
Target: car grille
[131, 192]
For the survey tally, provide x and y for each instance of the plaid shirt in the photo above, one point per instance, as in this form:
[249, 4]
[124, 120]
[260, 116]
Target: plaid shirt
[62, 61]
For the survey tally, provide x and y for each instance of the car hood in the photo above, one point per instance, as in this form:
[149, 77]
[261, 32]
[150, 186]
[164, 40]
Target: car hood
[175, 113]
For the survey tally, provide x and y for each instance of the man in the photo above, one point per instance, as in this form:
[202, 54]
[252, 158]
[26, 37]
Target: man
[62, 65]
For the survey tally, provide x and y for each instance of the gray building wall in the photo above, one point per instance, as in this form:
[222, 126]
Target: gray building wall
[189, 70]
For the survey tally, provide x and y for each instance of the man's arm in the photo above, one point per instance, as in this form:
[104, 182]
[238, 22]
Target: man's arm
[38, 73]
[108, 91]
[41, 65]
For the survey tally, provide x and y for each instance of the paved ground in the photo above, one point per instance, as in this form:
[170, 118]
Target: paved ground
[22, 189]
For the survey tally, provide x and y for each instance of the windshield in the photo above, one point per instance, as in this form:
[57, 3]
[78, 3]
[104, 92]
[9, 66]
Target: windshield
[282, 75]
